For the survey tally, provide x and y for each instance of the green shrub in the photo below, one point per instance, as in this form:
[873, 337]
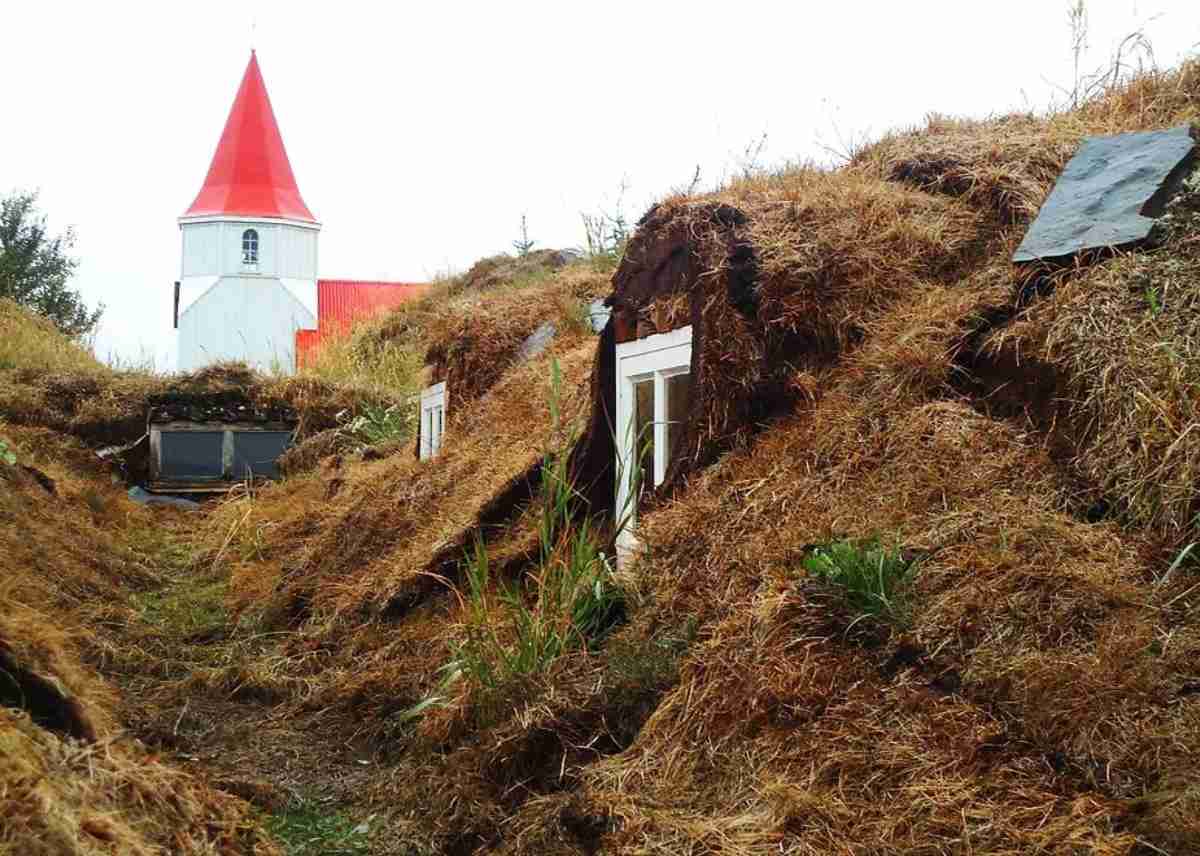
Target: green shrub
[874, 579]
[567, 605]
[7, 455]
[380, 424]
[606, 234]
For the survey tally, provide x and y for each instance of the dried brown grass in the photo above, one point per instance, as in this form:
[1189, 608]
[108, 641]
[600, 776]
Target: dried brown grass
[68, 799]
[469, 329]
[1119, 344]
[30, 341]
[110, 407]
[342, 556]
[1040, 698]
[1031, 706]
[71, 781]
[1006, 166]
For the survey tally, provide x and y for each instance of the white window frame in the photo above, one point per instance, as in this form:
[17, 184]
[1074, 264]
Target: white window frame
[433, 420]
[656, 357]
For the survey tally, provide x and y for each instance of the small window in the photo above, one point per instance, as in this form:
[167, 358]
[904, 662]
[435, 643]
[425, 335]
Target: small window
[191, 455]
[653, 394]
[433, 418]
[250, 247]
[220, 454]
[256, 453]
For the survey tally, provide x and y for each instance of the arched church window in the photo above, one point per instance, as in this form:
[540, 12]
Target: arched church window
[250, 247]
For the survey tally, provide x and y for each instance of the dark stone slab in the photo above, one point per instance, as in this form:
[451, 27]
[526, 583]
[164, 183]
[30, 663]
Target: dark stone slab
[538, 340]
[143, 497]
[1110, 193]
[598, 313]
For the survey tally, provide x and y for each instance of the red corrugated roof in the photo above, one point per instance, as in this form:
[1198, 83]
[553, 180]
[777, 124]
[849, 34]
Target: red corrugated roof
[250, 175]
[306, 346]
[341, 302]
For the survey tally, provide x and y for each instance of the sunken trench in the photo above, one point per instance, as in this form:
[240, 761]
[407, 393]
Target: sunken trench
[47, 704]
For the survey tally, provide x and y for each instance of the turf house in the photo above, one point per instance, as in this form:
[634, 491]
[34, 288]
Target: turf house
[899, 460]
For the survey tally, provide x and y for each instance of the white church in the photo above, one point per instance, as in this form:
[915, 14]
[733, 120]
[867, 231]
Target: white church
[249, 287]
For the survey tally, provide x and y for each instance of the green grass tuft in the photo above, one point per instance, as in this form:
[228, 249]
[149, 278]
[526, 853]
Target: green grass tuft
[874, 579]
[568, 602]
[184, 610]
[308, 830]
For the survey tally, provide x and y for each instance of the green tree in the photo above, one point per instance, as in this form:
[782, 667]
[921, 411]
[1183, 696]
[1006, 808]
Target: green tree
[36, 266]
[523, 245]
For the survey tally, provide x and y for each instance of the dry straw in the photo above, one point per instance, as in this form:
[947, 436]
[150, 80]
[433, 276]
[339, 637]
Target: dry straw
[862, 369]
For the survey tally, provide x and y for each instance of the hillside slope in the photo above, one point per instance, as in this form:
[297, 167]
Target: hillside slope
[869, 366]
[873, 381]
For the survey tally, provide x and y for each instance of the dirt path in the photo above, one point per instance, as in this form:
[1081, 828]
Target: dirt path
[191, 687]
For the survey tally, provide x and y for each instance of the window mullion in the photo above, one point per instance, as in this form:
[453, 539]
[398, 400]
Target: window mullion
[660, 428]
[626, 443]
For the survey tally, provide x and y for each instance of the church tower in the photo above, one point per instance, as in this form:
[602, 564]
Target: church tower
[249, 272]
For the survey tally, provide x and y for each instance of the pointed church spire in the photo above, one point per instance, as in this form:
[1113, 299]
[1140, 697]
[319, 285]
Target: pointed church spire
[250, 175]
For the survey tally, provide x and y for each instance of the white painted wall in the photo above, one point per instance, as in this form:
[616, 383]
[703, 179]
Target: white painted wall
[297, 254]
[232, 311]
[253, 319]
[304, 290]
[192, 289]
[201, 249]
[214, 246]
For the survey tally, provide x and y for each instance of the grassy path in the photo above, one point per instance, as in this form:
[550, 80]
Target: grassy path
[209, 694]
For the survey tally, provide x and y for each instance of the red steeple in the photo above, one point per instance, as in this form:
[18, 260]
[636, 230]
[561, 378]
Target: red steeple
[250, 175]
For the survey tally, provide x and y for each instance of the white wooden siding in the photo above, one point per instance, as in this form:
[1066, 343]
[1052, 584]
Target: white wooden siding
[232, 311]
[215, 248]
[241, 318]
[201, 250]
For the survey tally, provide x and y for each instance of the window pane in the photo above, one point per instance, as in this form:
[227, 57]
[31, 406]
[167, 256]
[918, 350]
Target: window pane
[256, 452]
[191, 454]
[250, 247]
[643, 429]
[679, 392]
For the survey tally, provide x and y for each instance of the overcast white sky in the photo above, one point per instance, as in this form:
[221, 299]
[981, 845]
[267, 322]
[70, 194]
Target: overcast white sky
[419, 132]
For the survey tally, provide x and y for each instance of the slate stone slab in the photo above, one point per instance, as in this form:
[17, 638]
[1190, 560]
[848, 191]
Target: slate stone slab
[598, 314]
[538, 340]
[142, 497]
[1109, 193]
